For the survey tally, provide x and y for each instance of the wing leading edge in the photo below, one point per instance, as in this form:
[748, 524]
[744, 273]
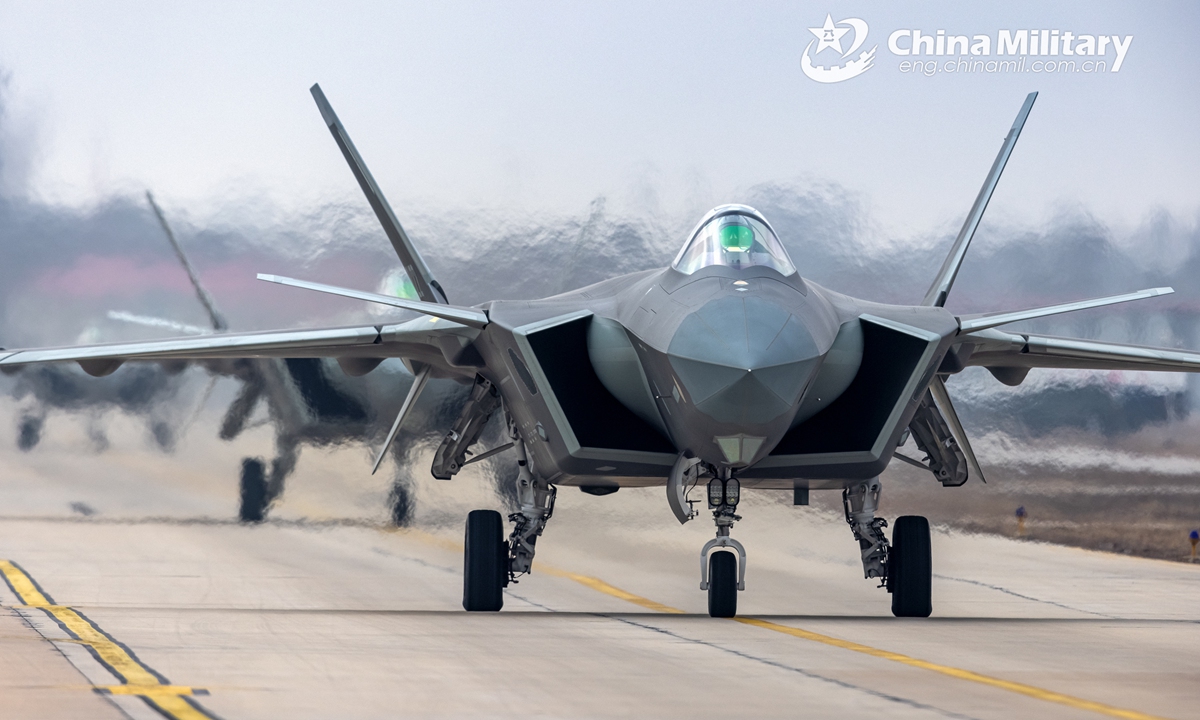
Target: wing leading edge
[444, 345]
[975, 323]
[466, 316]
[1010, 356]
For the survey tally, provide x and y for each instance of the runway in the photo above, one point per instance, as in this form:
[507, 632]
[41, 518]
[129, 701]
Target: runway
[143, 597]
[320, 615]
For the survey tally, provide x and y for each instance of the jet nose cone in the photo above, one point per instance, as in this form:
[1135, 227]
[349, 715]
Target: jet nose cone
[743, 360]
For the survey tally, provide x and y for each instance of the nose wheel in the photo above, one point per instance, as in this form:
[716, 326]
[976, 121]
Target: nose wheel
[722, 584]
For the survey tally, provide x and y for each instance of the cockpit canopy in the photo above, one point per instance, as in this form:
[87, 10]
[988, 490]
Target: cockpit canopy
[735, 236]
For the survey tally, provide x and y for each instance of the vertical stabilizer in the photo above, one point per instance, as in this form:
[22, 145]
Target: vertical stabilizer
[418, 272]
[214, 315]
[945, 278]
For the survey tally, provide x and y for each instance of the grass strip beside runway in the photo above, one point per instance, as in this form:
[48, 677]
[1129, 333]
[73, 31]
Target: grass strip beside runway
[139, 679]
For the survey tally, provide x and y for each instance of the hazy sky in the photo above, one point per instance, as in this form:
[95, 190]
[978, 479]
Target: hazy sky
[494, 126]
[668, 107]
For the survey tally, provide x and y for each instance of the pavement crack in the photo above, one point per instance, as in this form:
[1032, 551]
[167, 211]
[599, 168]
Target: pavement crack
[791, 668]
[1025, 597]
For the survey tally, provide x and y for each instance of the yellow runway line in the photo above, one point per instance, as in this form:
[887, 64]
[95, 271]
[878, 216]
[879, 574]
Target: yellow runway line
[594, 583]
[426, 537]
[601, 586]
[1016, 687]
[1020, 688]
[139, 679]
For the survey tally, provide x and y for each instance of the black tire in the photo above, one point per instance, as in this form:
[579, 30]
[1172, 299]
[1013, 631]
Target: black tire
[253, 486]
[910, 568]
[722, 584]
[401, 502]
[485, 562]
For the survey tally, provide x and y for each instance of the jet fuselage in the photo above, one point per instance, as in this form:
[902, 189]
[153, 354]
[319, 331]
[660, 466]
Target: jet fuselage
[740, 367]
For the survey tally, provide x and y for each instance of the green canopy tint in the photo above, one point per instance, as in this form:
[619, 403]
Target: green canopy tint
[737, 238]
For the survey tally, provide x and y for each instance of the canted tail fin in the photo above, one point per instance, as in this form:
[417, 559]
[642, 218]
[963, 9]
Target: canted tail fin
[940, 288]
[944, 428]
[215, 316]
[427, 287]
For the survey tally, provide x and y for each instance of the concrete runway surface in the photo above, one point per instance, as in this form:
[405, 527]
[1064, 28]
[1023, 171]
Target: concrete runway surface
[131, 593]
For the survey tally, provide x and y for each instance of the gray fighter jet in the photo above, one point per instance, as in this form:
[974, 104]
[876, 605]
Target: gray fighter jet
[305, 403]
[726, 370]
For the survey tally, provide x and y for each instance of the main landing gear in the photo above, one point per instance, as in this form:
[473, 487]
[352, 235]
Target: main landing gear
[252, 497]
[259, 485]
[910, 569]
[485, 571]
[491, 562]
[904, 567]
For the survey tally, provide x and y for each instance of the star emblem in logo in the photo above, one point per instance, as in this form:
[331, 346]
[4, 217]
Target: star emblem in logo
[829, 35]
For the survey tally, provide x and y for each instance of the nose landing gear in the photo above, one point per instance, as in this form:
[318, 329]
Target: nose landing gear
[721, 573]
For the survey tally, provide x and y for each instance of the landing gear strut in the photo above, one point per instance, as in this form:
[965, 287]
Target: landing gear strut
[905, 568]
[860, 503]
[491, 562]
[536, 498]
[721, 573]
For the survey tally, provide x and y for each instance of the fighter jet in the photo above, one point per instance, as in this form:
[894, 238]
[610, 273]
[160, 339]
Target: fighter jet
[726, 370]
[301, 402]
